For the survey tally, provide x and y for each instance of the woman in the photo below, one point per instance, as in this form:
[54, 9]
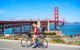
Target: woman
[36, 33]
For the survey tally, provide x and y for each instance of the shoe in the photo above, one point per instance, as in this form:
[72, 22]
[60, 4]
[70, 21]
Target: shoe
[45, 46]
[34, 46]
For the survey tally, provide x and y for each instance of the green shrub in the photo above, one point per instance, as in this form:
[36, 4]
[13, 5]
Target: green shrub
[53, 33]
[44, 33]
[58, 41]
[77, 42]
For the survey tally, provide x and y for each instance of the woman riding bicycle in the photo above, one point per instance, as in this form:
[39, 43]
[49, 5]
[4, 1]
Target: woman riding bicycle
[36, 34]
[36, 40]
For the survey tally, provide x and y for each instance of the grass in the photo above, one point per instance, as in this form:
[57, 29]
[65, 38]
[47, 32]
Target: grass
[77, 42]
[56, 41]
[1, 36]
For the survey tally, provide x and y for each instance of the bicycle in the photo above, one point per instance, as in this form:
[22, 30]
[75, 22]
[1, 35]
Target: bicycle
[40, 41]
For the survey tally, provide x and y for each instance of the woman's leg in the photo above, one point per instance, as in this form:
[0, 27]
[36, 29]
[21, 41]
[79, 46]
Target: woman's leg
[33, 39]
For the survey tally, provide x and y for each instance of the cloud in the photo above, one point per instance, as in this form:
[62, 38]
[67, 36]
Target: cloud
[21, 19]
[2, 11]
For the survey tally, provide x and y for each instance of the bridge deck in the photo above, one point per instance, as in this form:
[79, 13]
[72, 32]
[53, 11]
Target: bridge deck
[42, 21]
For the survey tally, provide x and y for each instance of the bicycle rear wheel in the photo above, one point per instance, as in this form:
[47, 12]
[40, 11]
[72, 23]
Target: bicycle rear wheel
[45, 43]
[26, 42]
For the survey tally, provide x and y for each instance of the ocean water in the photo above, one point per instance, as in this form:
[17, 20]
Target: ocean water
[67, 29]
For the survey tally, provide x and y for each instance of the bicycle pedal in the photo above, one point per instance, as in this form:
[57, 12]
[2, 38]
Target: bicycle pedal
[23, 46]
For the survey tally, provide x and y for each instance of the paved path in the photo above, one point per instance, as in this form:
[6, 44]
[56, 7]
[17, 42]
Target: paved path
[15, 45]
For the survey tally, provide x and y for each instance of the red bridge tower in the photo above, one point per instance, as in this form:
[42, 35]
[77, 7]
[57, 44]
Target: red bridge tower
[56, 18]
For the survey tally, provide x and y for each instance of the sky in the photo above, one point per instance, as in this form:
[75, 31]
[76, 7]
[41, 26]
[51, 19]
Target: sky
[69, 10]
